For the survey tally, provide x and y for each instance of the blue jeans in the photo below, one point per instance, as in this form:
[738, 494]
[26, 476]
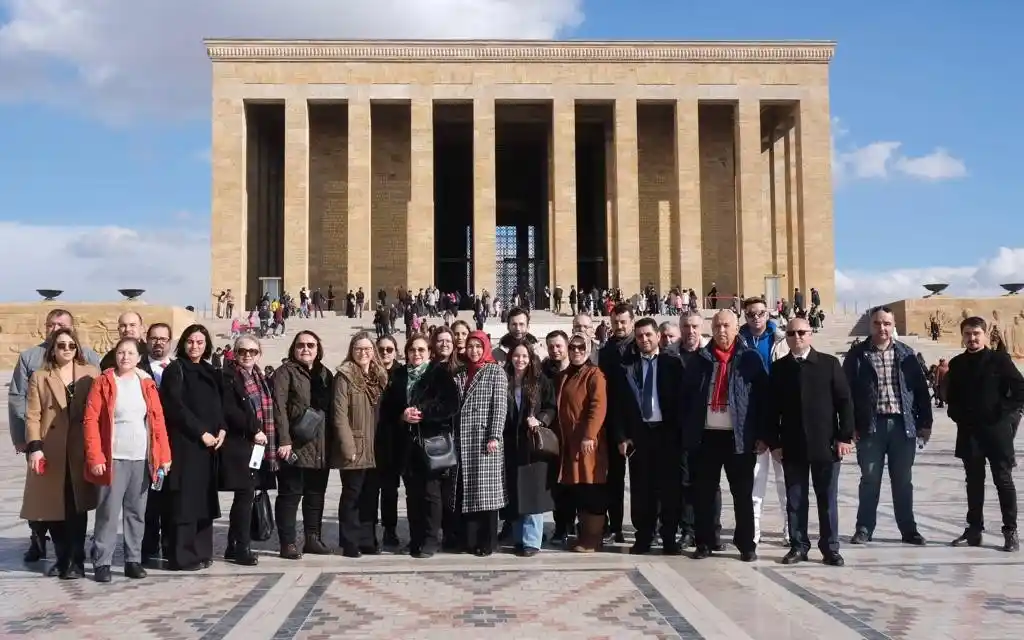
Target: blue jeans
[888, 440]
[529, 531]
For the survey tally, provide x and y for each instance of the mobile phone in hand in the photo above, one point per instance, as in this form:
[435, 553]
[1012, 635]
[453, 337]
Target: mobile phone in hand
[42, 466]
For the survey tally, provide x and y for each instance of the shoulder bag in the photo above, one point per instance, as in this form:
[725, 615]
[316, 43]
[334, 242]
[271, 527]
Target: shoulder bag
[543, 442]
[308, 427]
[437, 453]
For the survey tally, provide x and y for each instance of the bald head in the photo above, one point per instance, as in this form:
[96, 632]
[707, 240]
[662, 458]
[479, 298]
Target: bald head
[129, 325]
[724, 328]
[799, 335]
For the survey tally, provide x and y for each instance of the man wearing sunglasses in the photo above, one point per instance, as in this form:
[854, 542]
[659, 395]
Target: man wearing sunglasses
[29, 361]
[763, 336]
[809, 427]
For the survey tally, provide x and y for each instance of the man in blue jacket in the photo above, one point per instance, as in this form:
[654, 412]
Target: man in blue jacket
[892, 410]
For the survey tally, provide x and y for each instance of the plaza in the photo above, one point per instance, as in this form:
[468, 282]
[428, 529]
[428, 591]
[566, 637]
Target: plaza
[504, 165]
[886, 590]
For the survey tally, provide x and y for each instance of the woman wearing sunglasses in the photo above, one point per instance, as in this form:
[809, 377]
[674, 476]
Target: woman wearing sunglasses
[56, 490]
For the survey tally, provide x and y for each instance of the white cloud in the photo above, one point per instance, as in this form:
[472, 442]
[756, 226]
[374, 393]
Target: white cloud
[122, 59]
[882, 159]
[982, 279]
[90, 263]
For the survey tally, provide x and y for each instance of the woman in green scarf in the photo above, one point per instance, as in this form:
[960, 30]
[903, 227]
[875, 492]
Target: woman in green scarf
[421, 402]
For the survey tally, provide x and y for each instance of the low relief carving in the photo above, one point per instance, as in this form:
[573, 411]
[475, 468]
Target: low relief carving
[948, 325]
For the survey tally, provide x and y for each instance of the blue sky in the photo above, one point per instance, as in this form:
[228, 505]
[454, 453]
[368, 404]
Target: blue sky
[104, 130]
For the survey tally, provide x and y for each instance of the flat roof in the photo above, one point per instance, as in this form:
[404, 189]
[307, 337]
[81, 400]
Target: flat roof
[560, 51]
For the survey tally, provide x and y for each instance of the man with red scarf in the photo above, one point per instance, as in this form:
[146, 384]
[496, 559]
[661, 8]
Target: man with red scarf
[723, 394]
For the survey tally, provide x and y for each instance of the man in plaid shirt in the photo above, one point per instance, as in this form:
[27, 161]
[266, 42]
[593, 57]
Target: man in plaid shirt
[892, 410]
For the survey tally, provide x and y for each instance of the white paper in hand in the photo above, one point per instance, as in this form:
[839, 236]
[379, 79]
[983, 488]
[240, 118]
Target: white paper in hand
[256, 459]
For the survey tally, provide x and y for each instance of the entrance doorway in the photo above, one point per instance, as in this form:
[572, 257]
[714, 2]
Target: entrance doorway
[516, 268]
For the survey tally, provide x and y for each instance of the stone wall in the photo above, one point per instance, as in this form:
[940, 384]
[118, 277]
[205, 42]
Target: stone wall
[658, 186]
[21, 324]
[914, 315]
[328, 196]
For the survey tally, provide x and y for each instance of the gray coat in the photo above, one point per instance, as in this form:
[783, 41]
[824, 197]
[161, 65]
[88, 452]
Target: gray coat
[482, 418]
[30, 360]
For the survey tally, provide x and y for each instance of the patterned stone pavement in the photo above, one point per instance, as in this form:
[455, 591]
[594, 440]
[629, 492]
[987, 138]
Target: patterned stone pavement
[887, 590]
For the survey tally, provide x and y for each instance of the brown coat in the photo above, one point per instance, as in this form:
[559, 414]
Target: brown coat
[582, 404]
[50, 419]
[355, 421]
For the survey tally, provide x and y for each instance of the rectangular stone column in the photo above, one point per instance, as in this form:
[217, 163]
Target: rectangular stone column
[229, 229]
[753, 244]
[420, 220]
[360, 193]
[688, 264]
[563, 193]
[814, 140]
[780, 211]
[485, 197]
[296, 195]
[794, 219]
[627, 199]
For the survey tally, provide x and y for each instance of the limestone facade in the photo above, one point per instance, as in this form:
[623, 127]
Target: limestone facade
[914, 315]
[717, 164]
[21, 324]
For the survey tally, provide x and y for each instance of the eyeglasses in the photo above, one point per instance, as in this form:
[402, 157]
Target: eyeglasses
[247, 352]
[418, 349]
[158, 340]
[363, 349]
[66, 346]
[754, 315]
[386, 349]
[577, 347]
[798, 332]
[306, 345]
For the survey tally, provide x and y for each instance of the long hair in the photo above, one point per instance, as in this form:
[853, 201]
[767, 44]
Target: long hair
[413, 337]
[50, 355]
[451, 361]
[319, 347]
[377, 369]
[181, 351]
[531, 376]
[394, 343]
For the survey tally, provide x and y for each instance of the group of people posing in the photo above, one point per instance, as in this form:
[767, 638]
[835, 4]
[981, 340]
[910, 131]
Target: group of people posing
[481, 436]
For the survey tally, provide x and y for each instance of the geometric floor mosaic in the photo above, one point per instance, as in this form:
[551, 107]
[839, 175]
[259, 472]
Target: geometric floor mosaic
[472, 604]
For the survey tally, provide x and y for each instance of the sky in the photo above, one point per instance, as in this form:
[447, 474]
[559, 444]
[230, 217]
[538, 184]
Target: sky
[105, 132]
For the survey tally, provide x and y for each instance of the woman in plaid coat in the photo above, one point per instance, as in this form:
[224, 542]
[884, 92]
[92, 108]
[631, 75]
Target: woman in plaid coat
[483, 390]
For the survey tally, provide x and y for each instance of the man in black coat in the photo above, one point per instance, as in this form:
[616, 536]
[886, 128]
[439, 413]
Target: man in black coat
[129, 325]
[646, 432]
[985, 393]
[809, 424]
[609, 360]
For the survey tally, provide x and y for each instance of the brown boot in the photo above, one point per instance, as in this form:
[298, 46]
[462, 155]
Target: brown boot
[591, 534]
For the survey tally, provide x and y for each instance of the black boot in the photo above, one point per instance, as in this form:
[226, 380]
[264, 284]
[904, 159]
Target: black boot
[1011, 543]
[391, 539]
[37, 544]
[314, 545]
[970, 537]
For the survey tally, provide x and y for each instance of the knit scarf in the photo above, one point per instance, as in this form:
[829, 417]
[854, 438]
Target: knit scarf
[720, 392]
[415, 373]
[263, 405]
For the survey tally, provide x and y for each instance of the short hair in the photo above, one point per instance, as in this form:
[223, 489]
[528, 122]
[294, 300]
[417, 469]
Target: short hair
[247, 338]
[123, 341]
[622, 308]
[413, 337]
[646, 322]
[755, 300]
[180, 351]
[316, 338]
[666, 325]
[158, 325]
[56, 313]
[882, 308]
[132, 313]
[518, 311]
[576, 317]
[691, 313]
[974, 322]
[557, 333]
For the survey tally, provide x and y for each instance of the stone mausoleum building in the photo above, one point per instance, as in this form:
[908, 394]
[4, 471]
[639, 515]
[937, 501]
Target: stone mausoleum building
[476, 165]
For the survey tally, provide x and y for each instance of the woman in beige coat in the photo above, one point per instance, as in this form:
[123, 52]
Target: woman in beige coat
[358, 385]
[55, 487]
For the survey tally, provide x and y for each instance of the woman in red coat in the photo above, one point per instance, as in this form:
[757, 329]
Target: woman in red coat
[126, 450]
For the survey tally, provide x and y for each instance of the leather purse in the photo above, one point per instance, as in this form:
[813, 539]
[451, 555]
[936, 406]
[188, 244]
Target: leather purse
[308, 427]
[543, 442]
[437, 453]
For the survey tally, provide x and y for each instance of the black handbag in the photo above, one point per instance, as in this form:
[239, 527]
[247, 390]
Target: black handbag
[308, 427]
[543, 442]
[261, 528]
[437, 453]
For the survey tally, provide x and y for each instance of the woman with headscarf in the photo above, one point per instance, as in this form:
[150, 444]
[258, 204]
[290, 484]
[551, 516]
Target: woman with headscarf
[480, 492]
[421, 402]
[582, 404]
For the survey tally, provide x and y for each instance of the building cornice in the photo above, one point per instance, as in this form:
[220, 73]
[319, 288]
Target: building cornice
[238, 50]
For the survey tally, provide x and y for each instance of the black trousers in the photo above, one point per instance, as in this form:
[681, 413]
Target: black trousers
[69, 534]
[655, 481]
[688, 518]
[357, 509]
[565, 510]
[615, 488]
[452, 523]
[158, 516]
[388, 480]
[240, 519]
[191, 542]
[824, 477]
[718, 451]
[294, 485]
[481, 529]
[423, 504]
[1002, 477]
[586, 499]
